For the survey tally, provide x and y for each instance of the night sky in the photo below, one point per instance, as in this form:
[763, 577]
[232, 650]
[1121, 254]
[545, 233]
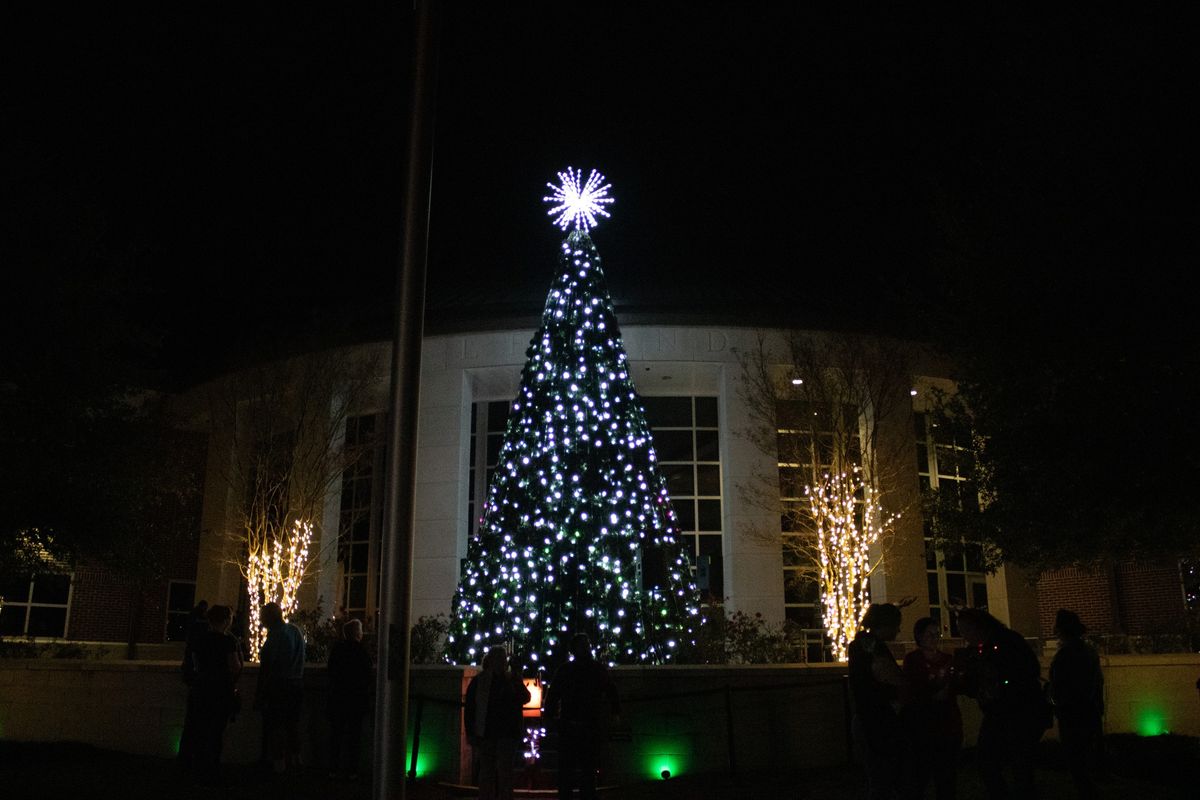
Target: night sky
[221, 183]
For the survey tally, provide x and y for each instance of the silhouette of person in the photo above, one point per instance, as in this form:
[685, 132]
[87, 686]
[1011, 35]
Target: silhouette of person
[931, 717]
[492, 716]
[349, 673]
[575, 700]
[875, 684]
[280, 691]
[218, 665]
[196, 626]
[1005, 679]
[1077, 687]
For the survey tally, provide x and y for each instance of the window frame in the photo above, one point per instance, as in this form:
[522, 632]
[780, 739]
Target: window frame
[28, 605]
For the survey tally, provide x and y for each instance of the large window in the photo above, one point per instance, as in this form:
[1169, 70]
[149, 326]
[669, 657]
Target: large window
[361, 521]
[36, 606]
[687, 442]
[956, 575]
[488, 420]
[811, 439]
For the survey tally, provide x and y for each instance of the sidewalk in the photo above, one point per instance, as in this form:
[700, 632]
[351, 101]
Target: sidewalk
[67, 772]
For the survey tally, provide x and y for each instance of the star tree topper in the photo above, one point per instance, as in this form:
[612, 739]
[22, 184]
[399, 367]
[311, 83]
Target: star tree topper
[578, 203]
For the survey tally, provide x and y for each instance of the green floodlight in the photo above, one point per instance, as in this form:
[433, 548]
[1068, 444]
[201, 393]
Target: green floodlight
[1151, 722]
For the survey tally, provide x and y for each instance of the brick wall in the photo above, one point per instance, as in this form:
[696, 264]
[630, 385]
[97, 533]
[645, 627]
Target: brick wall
[102, 603]
[1135, 598]
[1151, 596]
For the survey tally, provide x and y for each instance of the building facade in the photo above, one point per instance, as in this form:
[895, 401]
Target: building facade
[690, 379]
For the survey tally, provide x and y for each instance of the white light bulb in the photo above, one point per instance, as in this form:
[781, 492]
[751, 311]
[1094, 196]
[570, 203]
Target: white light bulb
[578, 203]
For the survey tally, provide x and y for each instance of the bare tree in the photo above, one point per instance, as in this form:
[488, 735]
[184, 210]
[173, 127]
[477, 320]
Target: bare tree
[831, 410]
[286, 422]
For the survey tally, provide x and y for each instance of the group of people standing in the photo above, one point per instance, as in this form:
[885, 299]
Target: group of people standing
[578, 701]
[907, 725]
[212, 663]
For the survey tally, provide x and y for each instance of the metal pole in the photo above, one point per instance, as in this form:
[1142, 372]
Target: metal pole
[729, 738]
[391, 709]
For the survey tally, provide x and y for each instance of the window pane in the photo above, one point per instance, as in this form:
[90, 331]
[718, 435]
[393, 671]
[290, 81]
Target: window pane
[668, 412]
[679, 479]
[12, 620]
[51, 589]
[792, 481]
[794, 517]
[974, 557]
[793, 555]
[708, 446]
[47, 621]
[710, 545]
[956, 590]
[793, 587]
[181, 596]
[362, 529]
[706, 412]
[673, 445]
[359, 554]
[15, 590]
[708, 515]
[794, 448]
[685, 511]
[922, 458]
[493, 449]
[708, 479]
[804, 617]
[953, 560]
[357, 593]
[497, 415]
[931, 560]
[935, 597]
[716, 577]
[919, 427]
[947, 461]
[979, 595]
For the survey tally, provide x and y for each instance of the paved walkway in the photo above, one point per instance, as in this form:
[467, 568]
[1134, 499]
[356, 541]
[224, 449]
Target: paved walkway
[71, 772]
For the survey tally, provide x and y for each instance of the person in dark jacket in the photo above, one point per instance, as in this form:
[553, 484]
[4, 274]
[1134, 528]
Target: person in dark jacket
[875, 684]
[196, 626]
[280, 690]
[578, 700]
[1077, 687]
[492, 716]
[932, 721]
[215, 688]
[349, 673]
[1004, 677]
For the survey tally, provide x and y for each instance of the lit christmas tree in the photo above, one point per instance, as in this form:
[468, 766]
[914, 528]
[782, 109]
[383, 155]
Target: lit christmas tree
[578, 534]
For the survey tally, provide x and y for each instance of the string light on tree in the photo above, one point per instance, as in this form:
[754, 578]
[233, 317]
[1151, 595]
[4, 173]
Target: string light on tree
[274, 573]
[848, 520]
[577, 533]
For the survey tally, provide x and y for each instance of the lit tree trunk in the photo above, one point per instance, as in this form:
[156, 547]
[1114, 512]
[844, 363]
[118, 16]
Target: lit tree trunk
[846, 519]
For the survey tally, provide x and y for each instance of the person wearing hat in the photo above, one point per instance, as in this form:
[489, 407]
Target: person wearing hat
[1077, 688]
